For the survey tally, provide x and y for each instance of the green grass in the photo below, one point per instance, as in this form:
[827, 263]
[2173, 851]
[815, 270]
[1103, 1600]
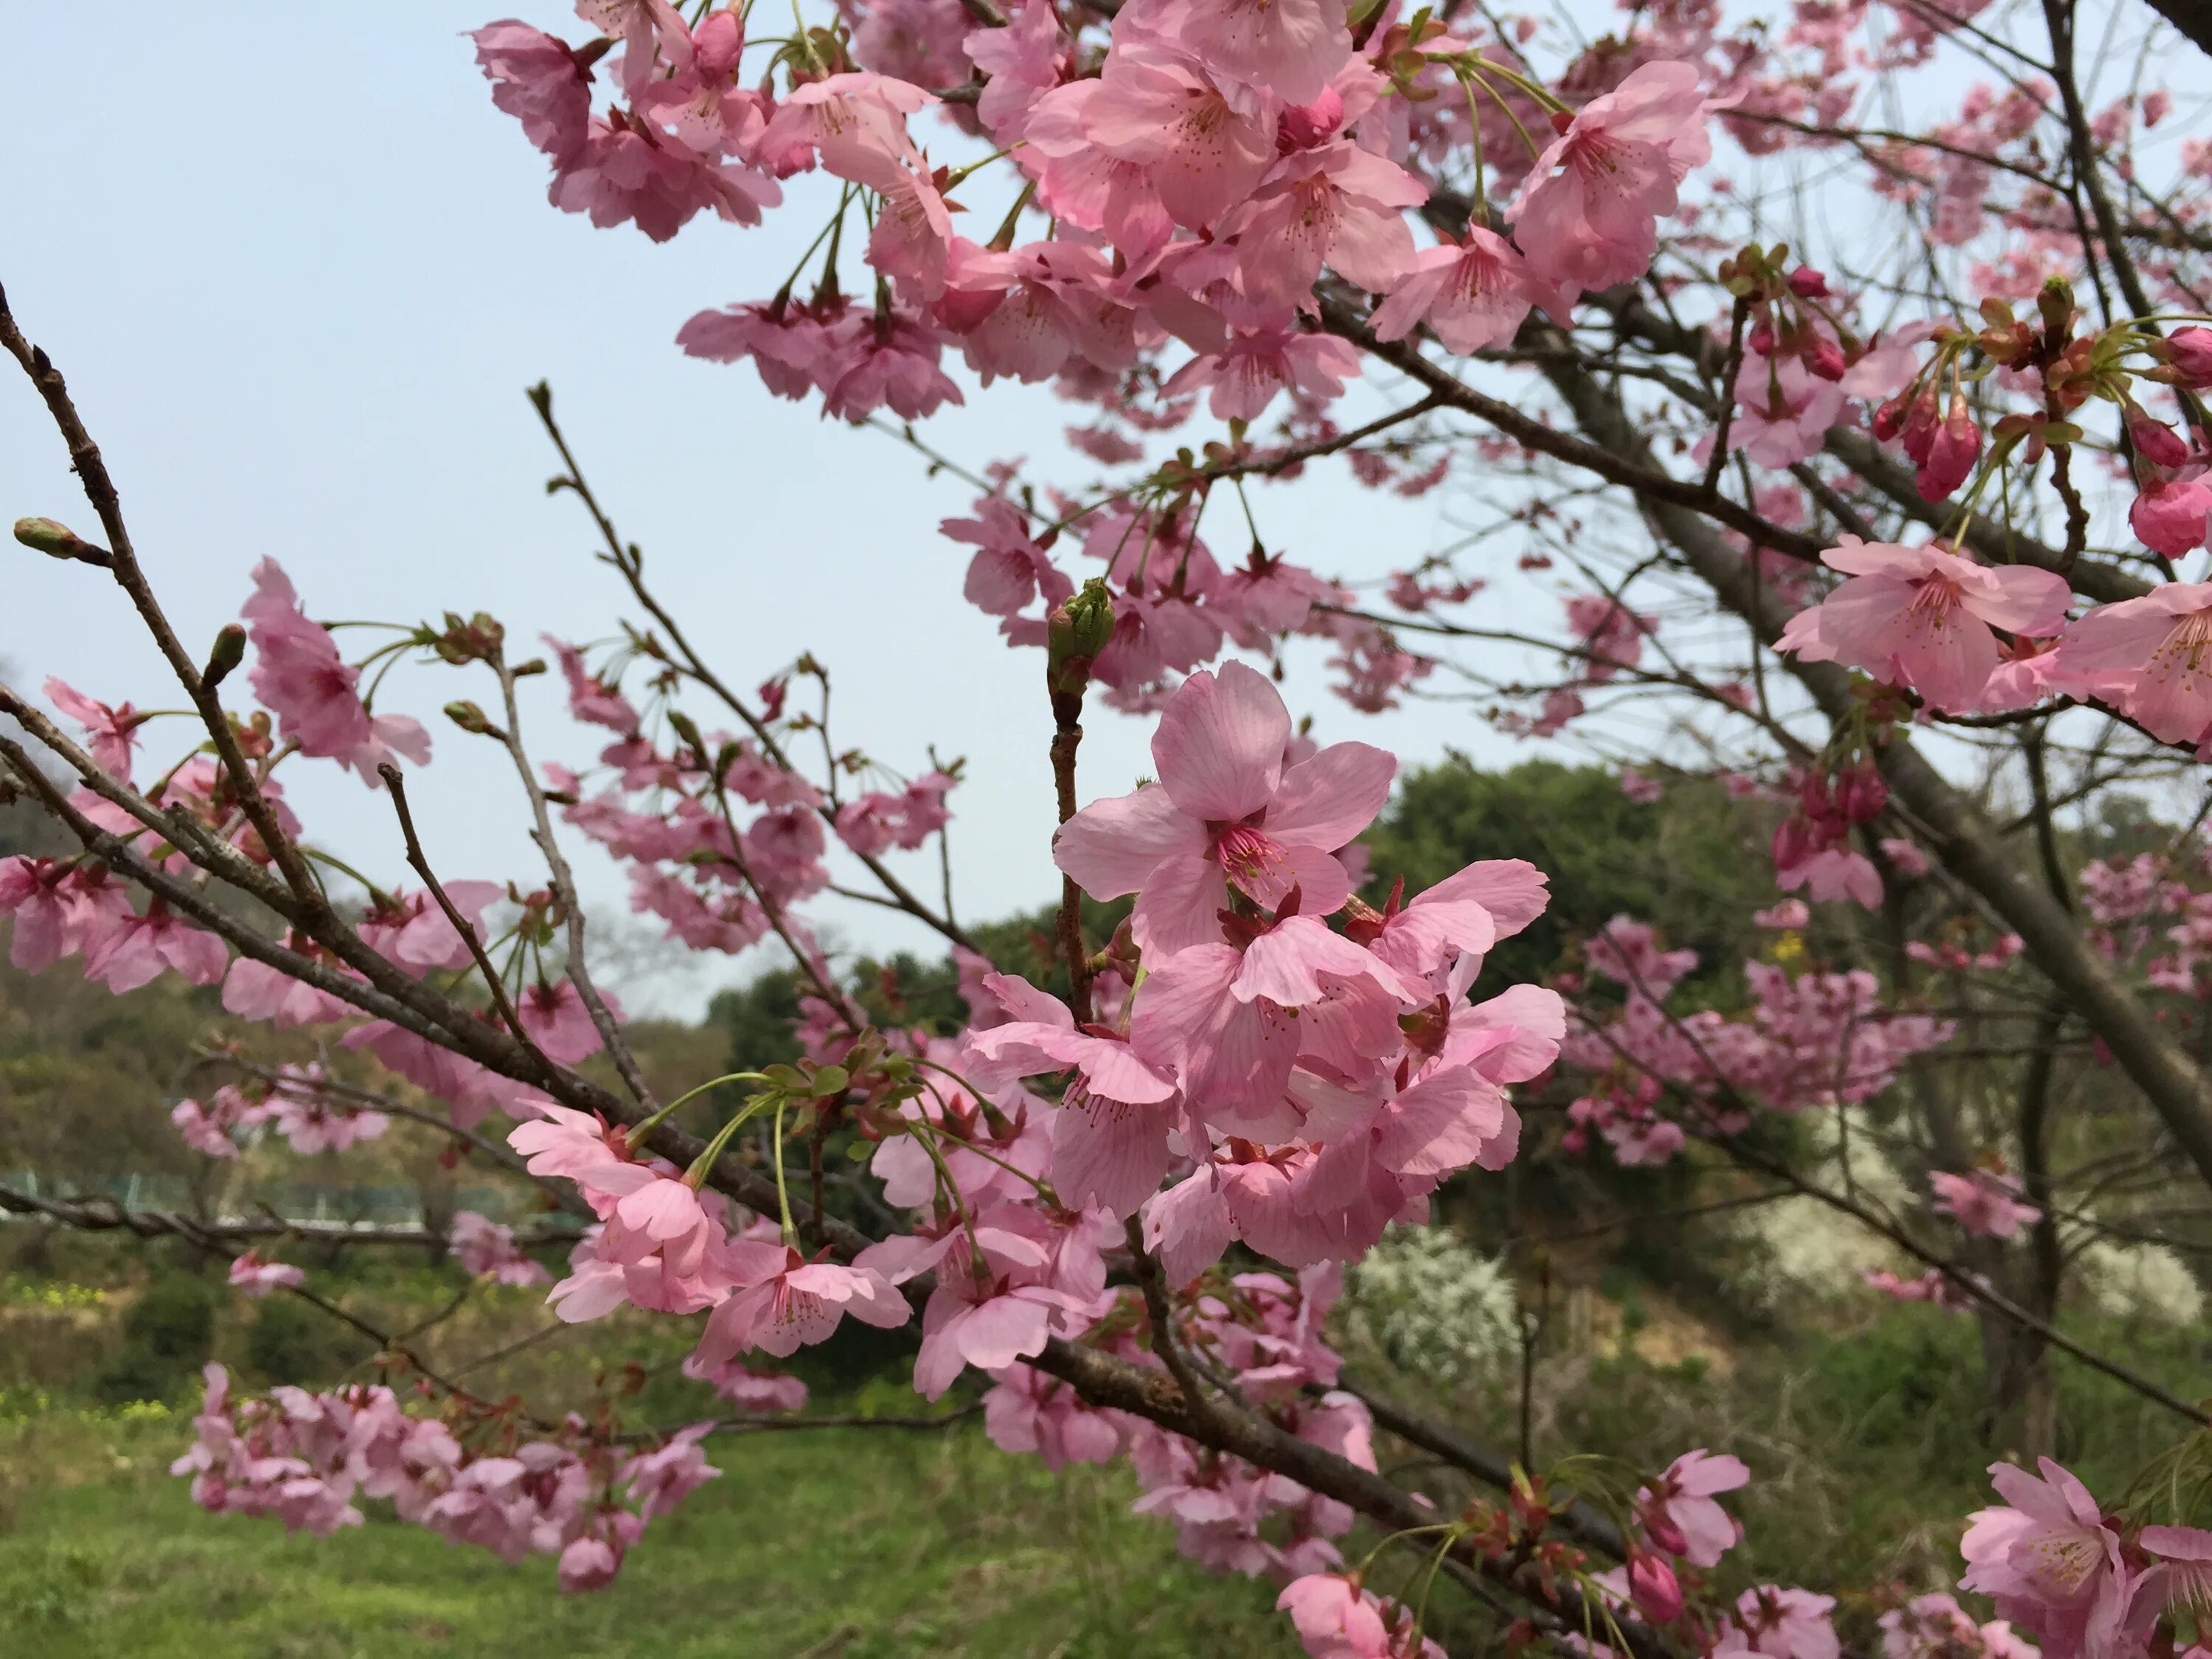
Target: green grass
[859, 1544]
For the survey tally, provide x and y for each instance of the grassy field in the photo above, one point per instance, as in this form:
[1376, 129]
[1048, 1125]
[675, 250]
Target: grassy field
[847, 1544]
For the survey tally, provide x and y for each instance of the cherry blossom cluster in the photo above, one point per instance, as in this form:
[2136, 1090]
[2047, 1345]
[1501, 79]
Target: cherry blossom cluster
[2086, 1582]
[308, 1459]
[296, 1102]
[1812, 1038]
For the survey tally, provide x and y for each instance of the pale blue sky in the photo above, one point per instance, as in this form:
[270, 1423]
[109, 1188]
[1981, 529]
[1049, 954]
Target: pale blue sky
[298, 273]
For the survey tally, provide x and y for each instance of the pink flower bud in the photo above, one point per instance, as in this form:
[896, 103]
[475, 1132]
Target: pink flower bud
[2155, 440]
[1826, 359]
[1861, 794]
[1652, 1586]
[1951, 451]
[2189, 353]
[1808, 283]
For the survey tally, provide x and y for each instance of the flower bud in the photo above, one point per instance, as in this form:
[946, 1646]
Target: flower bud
[2188, 354]
[1654, 1589]
[2155, 440]
[2054, 305]
[1808, 283]
[468, 717]
[229, 650]
[1861, 793]
[58, 541]
[1076, 632]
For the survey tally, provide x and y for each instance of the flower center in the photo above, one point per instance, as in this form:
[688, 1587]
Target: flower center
[1249, 859]
[1932, 601]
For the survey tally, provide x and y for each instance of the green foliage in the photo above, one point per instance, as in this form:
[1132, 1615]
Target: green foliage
[290, 1341]
[1683, 864]
[167, 1335]
[880, 1545]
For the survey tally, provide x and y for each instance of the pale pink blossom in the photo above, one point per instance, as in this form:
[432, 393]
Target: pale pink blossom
[1472, 295]
[1589, 212]
[300, 677]
[112, 732]
[1921, 618]
[1226, 812]
[1248, 372]
[2151, 658]
[252, 1278]
[785, 1303]
[1982, 1203]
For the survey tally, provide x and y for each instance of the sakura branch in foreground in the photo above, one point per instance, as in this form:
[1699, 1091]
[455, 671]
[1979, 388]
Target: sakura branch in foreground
[1117, 1218]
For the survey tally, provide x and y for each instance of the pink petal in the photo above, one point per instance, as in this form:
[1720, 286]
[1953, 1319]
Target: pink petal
[1219, 745]
[1112, 845]
[1326, 800]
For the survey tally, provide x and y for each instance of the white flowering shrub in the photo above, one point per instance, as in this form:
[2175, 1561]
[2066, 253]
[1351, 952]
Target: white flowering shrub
[1432, 1307]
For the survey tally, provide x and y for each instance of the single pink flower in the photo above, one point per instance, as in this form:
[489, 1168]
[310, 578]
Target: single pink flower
[2050, 1560]
[1472, 294]
[1923, 618]
[1588, 213]
[485, 1250]
[631, 173]
[113, 732]
[1678, 1514]
[785, 1302]
[252, 1277]
[1226, 811]
[1286, 49]
[1336, 1619]
[138, 952]
[854, 123]
[1159, 112]
[558, 1021]
[1337, 205]
[1247, 374]
[535, 78]
[2151, 658]
[2171, 513]
[300, 677]
[1982, 1203]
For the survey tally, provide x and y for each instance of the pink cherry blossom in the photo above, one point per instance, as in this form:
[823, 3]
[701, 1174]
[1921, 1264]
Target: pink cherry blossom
[1336, 1619]
[145, 946]
[113, 733]
[749, 1391]
[2151, 658]
[1226, 812]
[535, 78]
[300, 677]
[1337, 205]
[1678, 1514]
[1472, 294]
[1982, 1203]
[2171, 513]
[252, 1278]
[1923, 618]
[1287, 48]
[2049, 1559]
[1161, 112]
[1246, 374]
[785, 1303]
[485, 1250]
[1588, 211]
[855, 123]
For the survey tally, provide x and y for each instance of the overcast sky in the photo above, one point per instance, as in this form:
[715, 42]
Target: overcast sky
[298, 276]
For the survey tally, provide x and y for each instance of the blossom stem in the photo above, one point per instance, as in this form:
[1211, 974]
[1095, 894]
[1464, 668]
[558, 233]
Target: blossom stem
[638, 1131]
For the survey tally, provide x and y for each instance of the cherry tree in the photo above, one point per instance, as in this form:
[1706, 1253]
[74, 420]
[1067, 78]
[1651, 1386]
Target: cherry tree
[1850, 461]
